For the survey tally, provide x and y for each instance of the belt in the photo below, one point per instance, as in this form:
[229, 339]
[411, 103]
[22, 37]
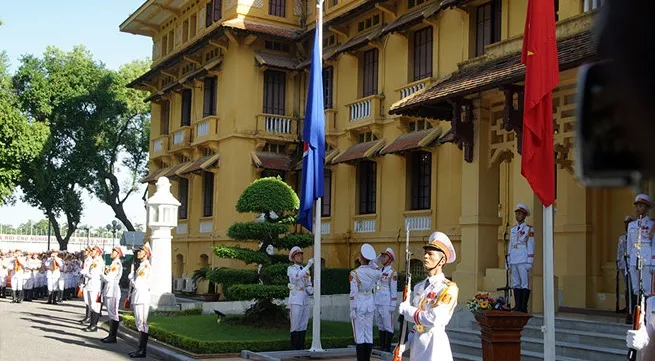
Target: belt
[424, 329]
[520, 245]
[367, 293]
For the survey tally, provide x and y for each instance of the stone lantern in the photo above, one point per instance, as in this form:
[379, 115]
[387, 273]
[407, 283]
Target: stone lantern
[162, 218]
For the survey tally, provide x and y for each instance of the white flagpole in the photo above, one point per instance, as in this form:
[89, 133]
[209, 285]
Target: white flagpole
[316, 323]
[549, 287]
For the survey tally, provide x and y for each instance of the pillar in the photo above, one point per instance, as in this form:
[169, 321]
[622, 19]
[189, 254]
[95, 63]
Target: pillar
[479, 220]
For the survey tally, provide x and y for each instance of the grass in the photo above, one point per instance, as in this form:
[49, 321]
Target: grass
[205, 328]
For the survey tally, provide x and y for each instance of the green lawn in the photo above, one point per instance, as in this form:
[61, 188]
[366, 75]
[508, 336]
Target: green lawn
[205, 328]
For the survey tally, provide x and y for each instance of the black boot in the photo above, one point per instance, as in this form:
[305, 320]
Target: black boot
[368, 348]
[526, 297]
[2, 292]
[301, 339]
[60, 296]
[93, 326]
[14, 297]
[383, 338]
[113, 330]
[50, 297]
[294, 340]
[20, 296]
[387, 345]
[518, 299]
[87, 316]
[143, 344]
[28, 295]
[360, 350]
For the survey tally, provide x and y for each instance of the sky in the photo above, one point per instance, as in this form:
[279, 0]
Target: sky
[30, 26]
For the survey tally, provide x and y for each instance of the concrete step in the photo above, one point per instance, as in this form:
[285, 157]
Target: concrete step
[472, 351]
[580, 337]
[575, 350]
[571, 323]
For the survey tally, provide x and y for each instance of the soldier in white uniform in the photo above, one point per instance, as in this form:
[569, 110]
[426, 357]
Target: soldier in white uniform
[140, 281]
[643, 226]
[17, 265]
[521, 257]
[112, 292]
[88, 259]
[386, 295]
[621, 262]
[643, 340]
[53, 265]
[300, 288]
[27, 277]
[432, 303]
[96, 268]
[3, 274]
[363, 281]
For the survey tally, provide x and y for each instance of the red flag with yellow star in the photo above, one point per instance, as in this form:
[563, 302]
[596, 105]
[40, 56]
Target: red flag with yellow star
[541, 77]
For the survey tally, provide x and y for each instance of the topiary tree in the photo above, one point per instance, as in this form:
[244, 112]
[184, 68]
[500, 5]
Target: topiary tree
[276, 204]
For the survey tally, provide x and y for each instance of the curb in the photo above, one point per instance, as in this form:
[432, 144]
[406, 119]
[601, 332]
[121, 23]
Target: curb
[154, 348]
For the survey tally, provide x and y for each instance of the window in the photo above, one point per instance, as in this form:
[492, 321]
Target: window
[412, 3]
[277, 46]
[370, 72]
[183, 195]
[209, 104]
[418, 125]
[274, 92]
[366, 180]
[186, 107]
[213, 12]
[277, 7]
[420, 177]
[272, 173]
[556, 10]
[328, 86]
[185, 31]
[488, 25]
[327, 193]
[367, 23]
[275, 148]
[367, 137]
[164, 45]
[423, 53]
[208, 194]
[165, 116]
[592, 4]
[193, 22]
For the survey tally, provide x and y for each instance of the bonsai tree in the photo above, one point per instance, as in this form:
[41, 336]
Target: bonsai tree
[274, 206]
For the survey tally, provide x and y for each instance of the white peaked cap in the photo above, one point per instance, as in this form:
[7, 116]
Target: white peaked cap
[523, 208]
[294, 251]
[368, 252]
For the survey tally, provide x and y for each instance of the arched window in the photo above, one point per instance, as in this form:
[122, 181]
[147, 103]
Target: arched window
[179, 266]
[204, 261]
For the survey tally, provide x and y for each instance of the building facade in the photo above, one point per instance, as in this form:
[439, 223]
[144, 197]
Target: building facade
[229, 81]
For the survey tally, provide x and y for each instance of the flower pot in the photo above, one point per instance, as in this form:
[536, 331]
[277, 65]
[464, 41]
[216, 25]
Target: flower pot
[500, 333]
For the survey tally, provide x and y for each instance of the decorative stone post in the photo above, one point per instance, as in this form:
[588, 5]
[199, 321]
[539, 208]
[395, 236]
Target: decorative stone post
[162, 218]
[501, 334]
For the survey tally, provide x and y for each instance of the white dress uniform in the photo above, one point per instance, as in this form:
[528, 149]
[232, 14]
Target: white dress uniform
[3, 276]
[643, 340]
[643, 226]
[386, 296]
[83, 272]
[93, 282]
[363, 281]
[112, 290]
[300, 288]
[53, 265]
[140, 281]
[432, 304]
[17, 266]
[521, 259]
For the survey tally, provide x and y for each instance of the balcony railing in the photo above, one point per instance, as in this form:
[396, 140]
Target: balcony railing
[325, 227]
[205, 129]
[277, 125]
[159, 146]
[418, 222]
[182, 228]
[413, 87]
[365, 225]
[365, 110]
[181, 137]
[206, 226]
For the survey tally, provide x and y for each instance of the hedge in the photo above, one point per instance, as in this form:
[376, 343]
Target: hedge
[231, 276]
[177, 313]
[231, 346]
[241, 292]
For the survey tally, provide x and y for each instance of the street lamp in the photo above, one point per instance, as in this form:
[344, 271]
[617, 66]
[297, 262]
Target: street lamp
[113, 227]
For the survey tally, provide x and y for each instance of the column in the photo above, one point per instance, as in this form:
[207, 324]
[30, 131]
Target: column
[161, 277]
[479, 219]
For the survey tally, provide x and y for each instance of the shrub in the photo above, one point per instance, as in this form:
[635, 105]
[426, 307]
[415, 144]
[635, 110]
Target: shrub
[229, 276]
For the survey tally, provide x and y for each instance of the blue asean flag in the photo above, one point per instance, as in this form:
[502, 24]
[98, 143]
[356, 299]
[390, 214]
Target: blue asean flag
[313, 136]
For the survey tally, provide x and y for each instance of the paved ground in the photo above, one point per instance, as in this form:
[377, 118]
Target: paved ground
[38, 331]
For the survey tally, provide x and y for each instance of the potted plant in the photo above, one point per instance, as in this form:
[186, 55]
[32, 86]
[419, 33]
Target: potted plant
[500, 328]
[200, 275]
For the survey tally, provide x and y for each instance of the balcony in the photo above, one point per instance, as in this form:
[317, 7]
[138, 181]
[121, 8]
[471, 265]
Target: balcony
[159, 147]
[279, 127]
[365, 223]
[181, 138]
[365, 111]
[205, 130]
[413, 87]
[325, 227]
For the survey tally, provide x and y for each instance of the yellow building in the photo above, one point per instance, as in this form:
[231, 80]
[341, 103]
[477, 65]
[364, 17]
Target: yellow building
[229, 81]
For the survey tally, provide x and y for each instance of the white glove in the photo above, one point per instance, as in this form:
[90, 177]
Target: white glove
[291, 286]
[406, 309]
[310, 262]
[353, 314]
[637, 339]
[529, 266]
[310, 290]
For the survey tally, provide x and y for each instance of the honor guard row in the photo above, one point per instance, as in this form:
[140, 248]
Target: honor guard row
[33, 275]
